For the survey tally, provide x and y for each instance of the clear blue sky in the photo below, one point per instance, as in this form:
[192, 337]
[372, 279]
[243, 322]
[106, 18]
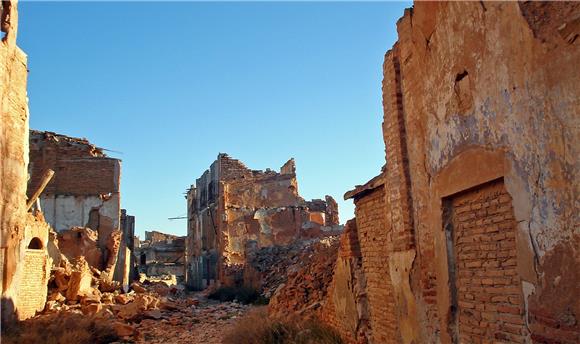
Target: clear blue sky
[170, 85]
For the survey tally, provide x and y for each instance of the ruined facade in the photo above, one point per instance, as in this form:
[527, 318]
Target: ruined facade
[162, 254]
[232, 209]
[24, 261]
[470, 235]
[82, 197]
[126, 266]
[346, 305]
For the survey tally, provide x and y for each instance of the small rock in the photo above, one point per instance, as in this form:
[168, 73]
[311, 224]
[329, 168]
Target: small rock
[123, 329]
[138, 288]
[92, 309]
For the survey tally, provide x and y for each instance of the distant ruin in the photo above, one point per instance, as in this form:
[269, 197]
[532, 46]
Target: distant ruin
[232, 209]
[162, 254]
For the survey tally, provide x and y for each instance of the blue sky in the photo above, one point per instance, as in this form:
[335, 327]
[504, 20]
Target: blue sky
[168, 86]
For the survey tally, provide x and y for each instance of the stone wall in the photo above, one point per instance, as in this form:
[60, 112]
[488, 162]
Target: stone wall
[85, 190]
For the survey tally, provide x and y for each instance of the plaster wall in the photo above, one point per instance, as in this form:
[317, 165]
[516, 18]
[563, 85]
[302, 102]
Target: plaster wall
[13, 160]
[64, 212]
[473, 92]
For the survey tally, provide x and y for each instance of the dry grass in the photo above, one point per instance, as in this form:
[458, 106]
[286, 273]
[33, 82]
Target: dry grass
[257, 328]
[59, 329]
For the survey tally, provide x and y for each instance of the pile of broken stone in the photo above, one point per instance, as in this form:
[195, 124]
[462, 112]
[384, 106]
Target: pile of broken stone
[77, 288]
[296, 277]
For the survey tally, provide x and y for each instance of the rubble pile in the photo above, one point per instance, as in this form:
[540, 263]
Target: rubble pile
[203, 322]
[298, 280]
[151, 310]
[274, 263]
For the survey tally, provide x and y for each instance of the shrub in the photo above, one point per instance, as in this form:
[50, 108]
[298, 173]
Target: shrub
[243, 295]
[257, 328]
[60, 329]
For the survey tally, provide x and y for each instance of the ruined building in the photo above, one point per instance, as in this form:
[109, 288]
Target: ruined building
[83, 196]
[127, 271]
[232, 209]
[24, 261]
[470, 234]
[162, 254]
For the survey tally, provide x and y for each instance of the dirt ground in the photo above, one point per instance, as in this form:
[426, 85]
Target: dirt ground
[205, 323]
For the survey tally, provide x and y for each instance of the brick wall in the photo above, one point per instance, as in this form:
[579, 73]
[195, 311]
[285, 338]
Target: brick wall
[373, 238]
[453, 122]
[34, 283]
[346, 306]
[77, 172]
[487, 286]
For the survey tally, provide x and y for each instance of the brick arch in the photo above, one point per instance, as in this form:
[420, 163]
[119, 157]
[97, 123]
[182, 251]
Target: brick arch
[35, 244]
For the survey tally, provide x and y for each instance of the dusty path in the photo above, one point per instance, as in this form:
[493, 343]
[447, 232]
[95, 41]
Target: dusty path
[204, 323]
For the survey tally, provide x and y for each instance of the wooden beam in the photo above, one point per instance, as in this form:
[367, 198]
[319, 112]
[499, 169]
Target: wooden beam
[46, 177]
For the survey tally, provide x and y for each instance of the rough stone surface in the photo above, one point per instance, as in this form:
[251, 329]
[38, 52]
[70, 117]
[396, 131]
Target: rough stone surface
[162, 254]
[80, 280]
[81, 241]
[21, 265]
[346, 307]
[480, 187]
[233, 209]
[306, 288]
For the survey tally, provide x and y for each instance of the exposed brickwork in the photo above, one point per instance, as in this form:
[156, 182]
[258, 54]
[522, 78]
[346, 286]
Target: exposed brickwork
[373, 238]
[84, 192]
[80, 168]
[457, 114]
[489, 298]
[33, 286]
[346, 306]
[232, 208]
[397, 174]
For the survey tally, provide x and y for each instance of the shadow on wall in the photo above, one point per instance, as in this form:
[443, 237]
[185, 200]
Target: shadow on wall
[7, 314]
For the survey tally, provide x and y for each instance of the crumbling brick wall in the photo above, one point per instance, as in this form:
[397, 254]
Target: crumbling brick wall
[346, 306]
[373, 234]
[473, 94]
[84, 192]
[232, 206]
